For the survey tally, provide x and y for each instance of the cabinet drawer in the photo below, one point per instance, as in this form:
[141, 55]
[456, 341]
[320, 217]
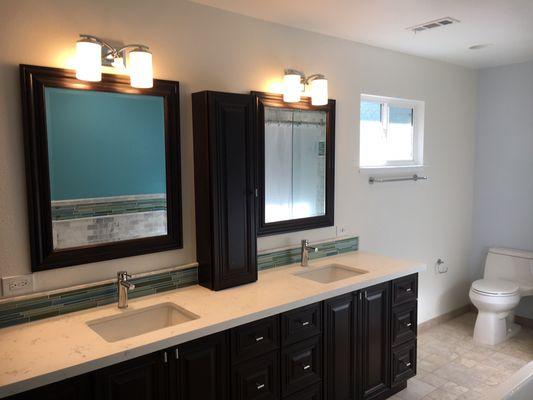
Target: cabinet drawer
[301, 365]
[254, 339]
[404, 289]
[403, 362]
[404, 323]
[256, 379]
[312, 393]
[300, 324]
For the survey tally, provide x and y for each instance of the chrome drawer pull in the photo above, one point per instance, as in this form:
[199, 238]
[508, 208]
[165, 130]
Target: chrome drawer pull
[305, 323]
[408, 364]
[408, 324]
[258, 339]
[307, 367]
[260, 386]
[408, 289]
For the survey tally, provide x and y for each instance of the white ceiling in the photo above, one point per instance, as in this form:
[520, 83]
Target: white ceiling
[505, 24]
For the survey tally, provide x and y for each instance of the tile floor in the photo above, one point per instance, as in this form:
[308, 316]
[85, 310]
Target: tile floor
[452, 367]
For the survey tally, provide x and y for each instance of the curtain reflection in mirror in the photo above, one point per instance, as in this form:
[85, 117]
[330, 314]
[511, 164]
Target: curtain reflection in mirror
[295, 143]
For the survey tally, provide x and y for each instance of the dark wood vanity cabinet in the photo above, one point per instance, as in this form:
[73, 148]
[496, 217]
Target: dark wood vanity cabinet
[224, 164]
[357, 346]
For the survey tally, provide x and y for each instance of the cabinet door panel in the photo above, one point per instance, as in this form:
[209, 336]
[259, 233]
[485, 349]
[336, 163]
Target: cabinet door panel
[375, 340]
[311, 393]
[254, 339]
[202, 369]
[142, 378]
[301, 365]
[300, 324]
[403, 362]
[340, 317]
[234, 203]
[256, 379]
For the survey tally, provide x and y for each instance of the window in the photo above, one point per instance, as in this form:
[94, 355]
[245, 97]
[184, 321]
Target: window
[391, 132]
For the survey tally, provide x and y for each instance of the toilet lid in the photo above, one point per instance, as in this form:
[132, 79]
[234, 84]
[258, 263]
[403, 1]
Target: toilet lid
[495, 287]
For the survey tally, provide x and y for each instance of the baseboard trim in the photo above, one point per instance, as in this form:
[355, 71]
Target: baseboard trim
[524, 321]
[424, 326]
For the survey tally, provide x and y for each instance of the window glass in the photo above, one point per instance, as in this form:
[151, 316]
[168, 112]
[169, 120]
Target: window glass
[400, 134]
[391, 132]
[373, 137]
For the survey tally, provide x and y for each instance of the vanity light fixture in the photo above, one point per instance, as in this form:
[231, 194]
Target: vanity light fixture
[295, 82]
[93, 52]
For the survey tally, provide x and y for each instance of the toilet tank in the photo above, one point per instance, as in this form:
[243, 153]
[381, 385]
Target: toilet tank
[512, 265]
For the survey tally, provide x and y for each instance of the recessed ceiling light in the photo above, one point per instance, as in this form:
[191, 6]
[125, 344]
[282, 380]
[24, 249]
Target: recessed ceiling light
[480, 46]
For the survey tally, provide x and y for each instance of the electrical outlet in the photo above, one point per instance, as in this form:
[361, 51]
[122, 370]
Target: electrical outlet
[342, 230]
[17, 285]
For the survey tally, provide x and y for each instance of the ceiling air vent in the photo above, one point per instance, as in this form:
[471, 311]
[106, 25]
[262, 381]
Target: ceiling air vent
[433, 24]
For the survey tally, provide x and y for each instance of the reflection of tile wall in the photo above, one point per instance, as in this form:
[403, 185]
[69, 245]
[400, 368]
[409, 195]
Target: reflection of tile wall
[83, 208]
[32, 309]
[85, 231]
[83, 222]
[279, 258]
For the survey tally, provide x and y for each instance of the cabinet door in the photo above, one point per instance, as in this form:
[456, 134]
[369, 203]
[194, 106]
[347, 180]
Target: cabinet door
[142, 378]
[201, 369]
[340, 323]
[375, 340]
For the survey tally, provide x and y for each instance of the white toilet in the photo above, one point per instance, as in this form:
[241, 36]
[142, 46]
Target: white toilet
[508, 276]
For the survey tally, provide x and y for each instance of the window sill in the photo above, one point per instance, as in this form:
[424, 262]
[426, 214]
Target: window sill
[392, 168]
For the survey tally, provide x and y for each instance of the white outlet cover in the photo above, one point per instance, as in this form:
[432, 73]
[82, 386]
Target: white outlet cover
[341, 230]
[17, 285]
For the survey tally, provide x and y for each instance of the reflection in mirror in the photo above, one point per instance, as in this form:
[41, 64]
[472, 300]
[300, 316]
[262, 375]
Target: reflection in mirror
[295, 163]
[106, 157]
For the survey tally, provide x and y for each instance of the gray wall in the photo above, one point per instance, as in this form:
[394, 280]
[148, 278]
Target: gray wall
[503, 198]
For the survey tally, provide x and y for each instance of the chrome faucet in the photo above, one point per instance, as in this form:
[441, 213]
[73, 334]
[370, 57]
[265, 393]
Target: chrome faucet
[305, 252]
[123, 286]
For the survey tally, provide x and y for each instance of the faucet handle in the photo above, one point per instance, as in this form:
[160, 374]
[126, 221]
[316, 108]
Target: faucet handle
[123, 275]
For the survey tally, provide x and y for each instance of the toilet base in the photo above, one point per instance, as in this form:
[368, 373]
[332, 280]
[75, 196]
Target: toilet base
[494, 328]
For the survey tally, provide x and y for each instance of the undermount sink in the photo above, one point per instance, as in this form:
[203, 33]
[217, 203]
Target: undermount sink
[330, 273]
[136, 322]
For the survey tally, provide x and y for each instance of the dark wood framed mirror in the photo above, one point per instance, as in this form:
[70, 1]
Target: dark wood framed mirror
[102, 167]
[295, 164]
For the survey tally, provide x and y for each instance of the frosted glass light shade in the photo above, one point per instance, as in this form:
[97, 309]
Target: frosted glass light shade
[88, 61]
[319, 92]
[292, 88]
[140, 69]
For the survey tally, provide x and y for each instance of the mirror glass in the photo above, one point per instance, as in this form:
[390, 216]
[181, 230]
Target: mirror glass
[295, 163]
[106, 157]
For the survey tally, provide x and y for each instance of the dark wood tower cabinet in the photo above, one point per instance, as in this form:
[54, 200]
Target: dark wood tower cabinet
[224, 164]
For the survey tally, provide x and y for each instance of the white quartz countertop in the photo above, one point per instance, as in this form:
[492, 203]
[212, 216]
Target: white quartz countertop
[42, 352]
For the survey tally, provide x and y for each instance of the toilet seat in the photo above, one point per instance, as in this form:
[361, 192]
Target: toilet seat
[495, 287]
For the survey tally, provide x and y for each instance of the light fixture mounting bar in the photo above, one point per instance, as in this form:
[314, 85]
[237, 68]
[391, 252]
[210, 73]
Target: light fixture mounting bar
[110, 52]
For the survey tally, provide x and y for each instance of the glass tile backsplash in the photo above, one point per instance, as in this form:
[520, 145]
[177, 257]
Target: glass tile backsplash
[49, 305]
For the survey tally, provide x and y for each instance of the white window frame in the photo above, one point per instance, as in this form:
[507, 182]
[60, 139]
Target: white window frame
[418, 107]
